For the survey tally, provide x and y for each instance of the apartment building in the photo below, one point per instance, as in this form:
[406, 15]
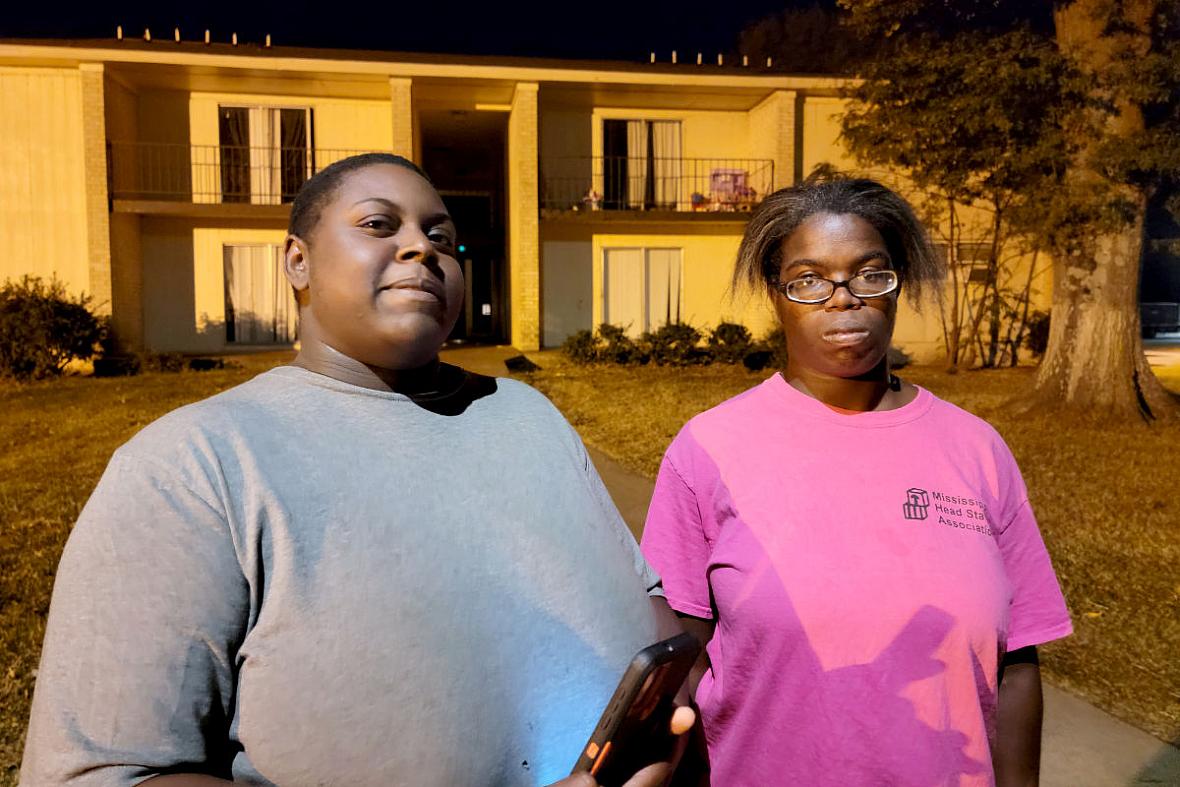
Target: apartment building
[157, 176]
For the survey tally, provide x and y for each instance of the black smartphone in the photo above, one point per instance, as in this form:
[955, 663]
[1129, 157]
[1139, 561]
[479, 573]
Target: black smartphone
[634, 731]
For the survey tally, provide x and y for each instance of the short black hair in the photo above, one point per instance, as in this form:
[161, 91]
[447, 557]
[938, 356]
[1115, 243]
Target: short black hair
[319, 188]
[917, 264]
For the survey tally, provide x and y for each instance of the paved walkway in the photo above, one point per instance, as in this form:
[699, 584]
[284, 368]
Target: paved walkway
[1163, 350]
[1082, 745]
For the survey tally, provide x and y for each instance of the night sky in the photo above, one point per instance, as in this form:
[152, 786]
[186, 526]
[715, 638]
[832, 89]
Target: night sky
[606, 29]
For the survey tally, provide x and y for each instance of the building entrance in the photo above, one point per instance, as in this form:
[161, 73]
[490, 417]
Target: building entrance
[464, 153]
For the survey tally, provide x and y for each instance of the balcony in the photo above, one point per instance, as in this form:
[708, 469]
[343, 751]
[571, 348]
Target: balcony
[656, 185]
[142, 173]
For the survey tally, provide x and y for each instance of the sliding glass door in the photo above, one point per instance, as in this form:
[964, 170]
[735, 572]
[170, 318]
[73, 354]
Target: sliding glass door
[641, 164]
[641, 288]
[259, 303]
[266, 153]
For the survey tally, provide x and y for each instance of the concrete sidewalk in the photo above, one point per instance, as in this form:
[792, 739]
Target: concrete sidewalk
[1082, 745]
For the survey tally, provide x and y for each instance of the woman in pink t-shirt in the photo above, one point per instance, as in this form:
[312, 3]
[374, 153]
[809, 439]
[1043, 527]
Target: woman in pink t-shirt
[859, 555]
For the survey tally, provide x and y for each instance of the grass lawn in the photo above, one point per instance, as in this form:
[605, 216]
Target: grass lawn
[1108, 513]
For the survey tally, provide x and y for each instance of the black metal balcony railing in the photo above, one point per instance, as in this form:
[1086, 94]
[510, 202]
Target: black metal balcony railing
[213, 173]
[654, 184]
[153, 171]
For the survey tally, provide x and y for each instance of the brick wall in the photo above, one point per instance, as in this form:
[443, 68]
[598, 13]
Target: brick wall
[94, 147]
[773, 134]
[403, 117]
[524, 246]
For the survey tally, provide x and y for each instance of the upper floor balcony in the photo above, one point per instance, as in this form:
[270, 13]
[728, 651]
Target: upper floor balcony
[653, 184]
[165, 177]
[148, 172]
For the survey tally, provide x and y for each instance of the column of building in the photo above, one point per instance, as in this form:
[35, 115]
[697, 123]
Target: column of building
[774, 127]
[524, 246]
[94, 159]
[401, 103]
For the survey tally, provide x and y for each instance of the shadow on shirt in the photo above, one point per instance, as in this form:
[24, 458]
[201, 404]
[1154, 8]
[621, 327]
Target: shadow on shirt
[461, 389]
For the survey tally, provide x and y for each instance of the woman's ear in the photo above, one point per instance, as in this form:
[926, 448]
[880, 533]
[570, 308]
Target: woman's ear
[295, 263]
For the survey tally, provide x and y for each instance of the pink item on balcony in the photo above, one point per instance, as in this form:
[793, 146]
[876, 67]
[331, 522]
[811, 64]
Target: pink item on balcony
[730, 189]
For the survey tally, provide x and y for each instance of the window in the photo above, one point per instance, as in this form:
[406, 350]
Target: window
[259, 303]
[641, 164]
[266, 153]
[971, 258]
[641, 288]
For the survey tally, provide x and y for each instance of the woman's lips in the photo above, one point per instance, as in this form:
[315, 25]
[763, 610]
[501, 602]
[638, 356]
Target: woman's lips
[846, 336]
[418, 290]
[414, 294]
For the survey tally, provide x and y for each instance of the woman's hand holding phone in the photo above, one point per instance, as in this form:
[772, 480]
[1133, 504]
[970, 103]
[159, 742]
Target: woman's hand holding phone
[657, 773]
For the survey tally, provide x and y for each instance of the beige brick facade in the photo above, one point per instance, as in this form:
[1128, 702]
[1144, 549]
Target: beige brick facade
[524, 255]
[94, 147]
[127, 281]
[400, 100]
[773, 130]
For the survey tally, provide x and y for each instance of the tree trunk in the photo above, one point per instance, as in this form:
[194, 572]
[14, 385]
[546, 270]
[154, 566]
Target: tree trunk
[1094, 361]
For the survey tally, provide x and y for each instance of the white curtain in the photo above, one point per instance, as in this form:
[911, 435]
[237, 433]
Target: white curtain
[641, 288]
[666, 153]
[636, 163]
[622, 287]
[265, 168]
[259, 304]
[663, 287]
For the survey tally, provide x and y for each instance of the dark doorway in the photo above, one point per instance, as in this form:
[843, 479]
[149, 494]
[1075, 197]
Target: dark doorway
[481, 255]
[463, 152]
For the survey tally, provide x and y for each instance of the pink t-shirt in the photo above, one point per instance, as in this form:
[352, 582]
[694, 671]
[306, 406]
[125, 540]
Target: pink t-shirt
[866, 574]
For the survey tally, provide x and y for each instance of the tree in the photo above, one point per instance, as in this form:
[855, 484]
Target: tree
[1095, 358]
[971, 108]
[802, 40]
[1077, 183]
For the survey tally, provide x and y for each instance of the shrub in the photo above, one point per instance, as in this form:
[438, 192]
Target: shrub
[1037, 338]
[43, 328]
[618, 346]
[581, 347]
[775, 341]
[730, 342]
[674, 344]
[162, 362]
[898, 358]
[757, 358]
[118, 365]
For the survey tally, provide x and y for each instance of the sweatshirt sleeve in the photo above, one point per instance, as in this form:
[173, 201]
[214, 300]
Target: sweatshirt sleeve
[149, 607]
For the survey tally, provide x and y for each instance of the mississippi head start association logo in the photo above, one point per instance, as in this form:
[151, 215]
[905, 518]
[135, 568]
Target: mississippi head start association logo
[916, 503]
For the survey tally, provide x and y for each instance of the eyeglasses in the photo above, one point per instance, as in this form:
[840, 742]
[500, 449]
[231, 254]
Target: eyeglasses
[816, 289]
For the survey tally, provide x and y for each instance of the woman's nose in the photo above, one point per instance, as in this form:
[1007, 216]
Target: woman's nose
[414, 245]
[842, 298]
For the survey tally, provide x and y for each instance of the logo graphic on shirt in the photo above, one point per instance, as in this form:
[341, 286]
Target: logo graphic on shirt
[916, 503]
[957, 511]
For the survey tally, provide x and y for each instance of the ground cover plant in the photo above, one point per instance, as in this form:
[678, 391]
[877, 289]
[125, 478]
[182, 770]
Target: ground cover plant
[1109, 514]
[1108, 517]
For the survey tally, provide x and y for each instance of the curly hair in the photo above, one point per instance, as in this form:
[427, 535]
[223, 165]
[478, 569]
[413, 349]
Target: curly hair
[917, 264]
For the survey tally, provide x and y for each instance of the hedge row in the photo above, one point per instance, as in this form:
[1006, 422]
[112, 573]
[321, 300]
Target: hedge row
[677, 344]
